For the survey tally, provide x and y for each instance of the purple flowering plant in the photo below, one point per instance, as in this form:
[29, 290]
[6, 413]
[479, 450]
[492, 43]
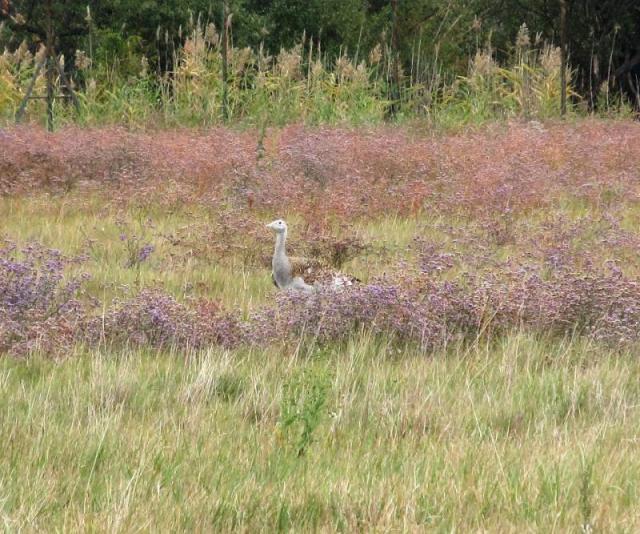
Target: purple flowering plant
[38, 303]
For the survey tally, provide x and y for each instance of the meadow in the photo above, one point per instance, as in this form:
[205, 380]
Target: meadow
[481, 376]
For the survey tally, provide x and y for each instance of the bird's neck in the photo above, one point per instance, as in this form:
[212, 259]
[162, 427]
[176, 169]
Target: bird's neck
[280, 241]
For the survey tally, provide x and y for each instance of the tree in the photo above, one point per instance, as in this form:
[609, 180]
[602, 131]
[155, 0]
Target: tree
[601, 34]
[431, 35]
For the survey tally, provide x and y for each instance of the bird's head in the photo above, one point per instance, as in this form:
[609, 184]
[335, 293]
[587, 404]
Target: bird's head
[278, 226]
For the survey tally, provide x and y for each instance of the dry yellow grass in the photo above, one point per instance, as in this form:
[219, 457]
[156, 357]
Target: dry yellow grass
[521, 435]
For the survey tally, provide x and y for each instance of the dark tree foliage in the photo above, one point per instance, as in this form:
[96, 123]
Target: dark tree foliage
[334, 23]
[26, 20]
[603, 36]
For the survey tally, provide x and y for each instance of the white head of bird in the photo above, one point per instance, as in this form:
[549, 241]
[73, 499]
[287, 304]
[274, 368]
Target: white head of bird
[278, 226]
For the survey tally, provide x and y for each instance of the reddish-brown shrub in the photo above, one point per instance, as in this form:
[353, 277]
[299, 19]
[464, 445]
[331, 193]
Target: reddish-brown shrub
[324, 174]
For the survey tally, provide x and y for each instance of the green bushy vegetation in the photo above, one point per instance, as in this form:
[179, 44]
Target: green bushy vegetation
[296, 85]
[470, 74]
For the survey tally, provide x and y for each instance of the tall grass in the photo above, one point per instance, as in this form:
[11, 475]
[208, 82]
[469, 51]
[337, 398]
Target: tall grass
[297, 85]
[518, 435]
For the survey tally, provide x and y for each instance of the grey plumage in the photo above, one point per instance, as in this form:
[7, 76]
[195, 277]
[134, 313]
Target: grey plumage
[282, 273]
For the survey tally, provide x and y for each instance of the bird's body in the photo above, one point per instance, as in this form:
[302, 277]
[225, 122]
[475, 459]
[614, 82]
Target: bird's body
[288, 274]
[282, 272]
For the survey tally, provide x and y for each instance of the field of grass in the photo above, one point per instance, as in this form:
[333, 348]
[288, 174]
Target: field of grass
[511, 436]
[483, 376]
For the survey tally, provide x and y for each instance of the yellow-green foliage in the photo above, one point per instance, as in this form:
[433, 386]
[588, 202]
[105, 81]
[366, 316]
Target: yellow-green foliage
[16, 70]
[530, 86]
[297, 85]
[8, 91]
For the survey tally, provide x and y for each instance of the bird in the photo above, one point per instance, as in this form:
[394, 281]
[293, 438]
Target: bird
[282, 272]
[287, 272]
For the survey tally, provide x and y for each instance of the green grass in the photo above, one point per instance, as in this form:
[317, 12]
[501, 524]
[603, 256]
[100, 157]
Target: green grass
[519, 435]
[511, 434]
[69, 222]
[297, 88]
